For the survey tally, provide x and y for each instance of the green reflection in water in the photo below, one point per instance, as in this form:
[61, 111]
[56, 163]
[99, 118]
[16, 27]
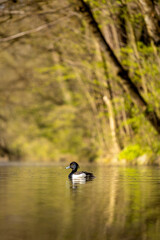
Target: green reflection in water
[39, 202]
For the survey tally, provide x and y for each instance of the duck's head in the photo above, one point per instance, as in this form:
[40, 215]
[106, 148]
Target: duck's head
[73, 165]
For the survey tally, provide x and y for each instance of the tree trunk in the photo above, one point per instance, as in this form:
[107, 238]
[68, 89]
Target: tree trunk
[126, 81]
[108, 102]
[132, 40]
[111, 97]
[151, 20]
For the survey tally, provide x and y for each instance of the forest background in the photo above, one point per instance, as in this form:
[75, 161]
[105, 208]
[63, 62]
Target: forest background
[80, 80]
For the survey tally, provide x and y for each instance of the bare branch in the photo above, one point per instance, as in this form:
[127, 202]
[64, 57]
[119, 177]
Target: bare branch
[27, 13]
[13, 12]
[22, 34]
[3, 1]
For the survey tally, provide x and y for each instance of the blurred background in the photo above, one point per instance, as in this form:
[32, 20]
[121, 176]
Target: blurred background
[60, 96]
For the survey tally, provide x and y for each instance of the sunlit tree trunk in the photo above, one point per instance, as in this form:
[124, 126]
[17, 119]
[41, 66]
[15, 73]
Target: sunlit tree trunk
[101, 86]
[111, 98]
[126, 81]
[112, 124]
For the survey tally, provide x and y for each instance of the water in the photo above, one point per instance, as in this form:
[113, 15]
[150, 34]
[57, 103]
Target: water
[40, 203]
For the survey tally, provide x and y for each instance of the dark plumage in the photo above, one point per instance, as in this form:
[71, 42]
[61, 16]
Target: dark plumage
[79, 175]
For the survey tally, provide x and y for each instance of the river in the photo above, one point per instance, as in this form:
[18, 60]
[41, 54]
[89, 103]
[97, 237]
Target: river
[38, 202]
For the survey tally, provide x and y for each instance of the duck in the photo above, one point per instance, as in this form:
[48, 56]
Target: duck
[74, 175]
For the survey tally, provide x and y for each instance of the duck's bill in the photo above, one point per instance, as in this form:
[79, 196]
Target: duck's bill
[67, 167]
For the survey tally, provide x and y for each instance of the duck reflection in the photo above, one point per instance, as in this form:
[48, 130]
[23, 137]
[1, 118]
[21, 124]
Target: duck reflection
[74, 183]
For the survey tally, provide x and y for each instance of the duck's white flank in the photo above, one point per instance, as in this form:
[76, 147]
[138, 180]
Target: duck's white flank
[78, 176]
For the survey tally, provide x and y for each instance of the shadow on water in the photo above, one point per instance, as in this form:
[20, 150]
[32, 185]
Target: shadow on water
[39, 202]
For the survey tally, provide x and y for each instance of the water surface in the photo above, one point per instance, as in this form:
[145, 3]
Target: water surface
[40, 203]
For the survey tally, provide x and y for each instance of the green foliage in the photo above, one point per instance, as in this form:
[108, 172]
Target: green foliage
[53, 82]
[131, 152]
